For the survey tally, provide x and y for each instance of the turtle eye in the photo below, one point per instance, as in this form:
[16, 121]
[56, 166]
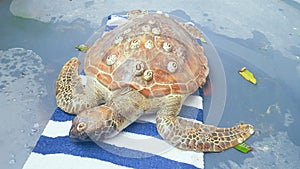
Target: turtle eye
[81, 126]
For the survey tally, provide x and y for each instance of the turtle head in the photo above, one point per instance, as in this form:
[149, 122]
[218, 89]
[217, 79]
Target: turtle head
[93, 124]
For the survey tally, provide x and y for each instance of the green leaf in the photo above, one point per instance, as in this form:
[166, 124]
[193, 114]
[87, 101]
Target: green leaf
[82, 48]
[243, 147]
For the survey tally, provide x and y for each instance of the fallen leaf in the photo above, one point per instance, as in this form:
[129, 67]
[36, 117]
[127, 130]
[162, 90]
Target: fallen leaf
[247, 75]
[82, 48]
[243, 147]
[203, 40]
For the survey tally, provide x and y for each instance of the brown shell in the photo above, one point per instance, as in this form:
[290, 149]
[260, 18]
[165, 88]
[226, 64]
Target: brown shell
[154, 43]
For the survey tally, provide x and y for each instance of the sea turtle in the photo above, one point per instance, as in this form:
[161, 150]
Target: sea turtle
[149, 64]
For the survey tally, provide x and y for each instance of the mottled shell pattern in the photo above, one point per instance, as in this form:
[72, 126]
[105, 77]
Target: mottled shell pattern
[151, 53]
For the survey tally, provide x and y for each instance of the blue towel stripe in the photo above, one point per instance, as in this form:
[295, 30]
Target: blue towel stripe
[64, 145]
[61, 116]
[191, 113]
[144, 128]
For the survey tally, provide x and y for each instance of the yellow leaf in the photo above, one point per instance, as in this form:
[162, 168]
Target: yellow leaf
[203, 40]
[247, 75]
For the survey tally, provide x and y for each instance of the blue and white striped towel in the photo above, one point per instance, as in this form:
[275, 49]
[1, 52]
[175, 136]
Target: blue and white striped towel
[138, 146]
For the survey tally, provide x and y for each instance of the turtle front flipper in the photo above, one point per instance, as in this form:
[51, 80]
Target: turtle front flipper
[193, 135]
[71, 95]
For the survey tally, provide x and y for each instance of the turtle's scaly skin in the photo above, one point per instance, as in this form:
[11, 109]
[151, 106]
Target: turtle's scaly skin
[150, 64]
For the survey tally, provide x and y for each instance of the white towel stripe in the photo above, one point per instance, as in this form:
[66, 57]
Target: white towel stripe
[56, 129]
[194, 101]
[148, 118]
[116, 21]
